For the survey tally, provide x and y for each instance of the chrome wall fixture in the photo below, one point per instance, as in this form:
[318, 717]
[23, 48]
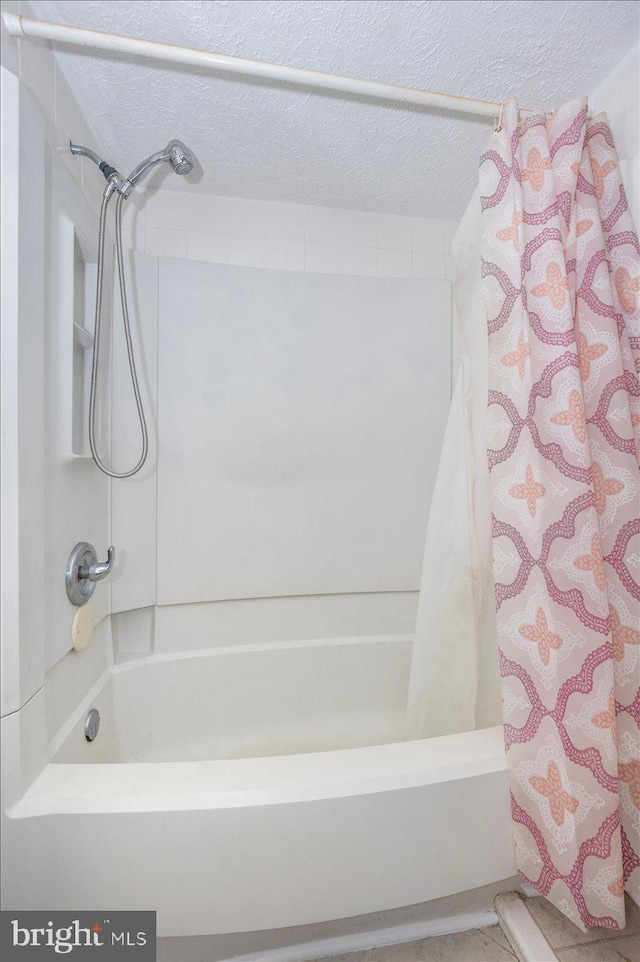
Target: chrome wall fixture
[91, 724]
[84, 569]
[181, 161]
[175, 153]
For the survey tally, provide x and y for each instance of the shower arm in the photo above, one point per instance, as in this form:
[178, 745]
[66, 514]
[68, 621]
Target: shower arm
[114, 181]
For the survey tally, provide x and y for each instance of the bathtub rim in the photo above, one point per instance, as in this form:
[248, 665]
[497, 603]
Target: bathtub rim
[130, 787]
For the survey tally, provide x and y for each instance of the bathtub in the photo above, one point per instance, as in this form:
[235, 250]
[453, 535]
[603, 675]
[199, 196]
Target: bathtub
[261, 786]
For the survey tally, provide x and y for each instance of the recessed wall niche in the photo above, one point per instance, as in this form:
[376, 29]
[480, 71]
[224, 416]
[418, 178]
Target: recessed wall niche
[84, 283]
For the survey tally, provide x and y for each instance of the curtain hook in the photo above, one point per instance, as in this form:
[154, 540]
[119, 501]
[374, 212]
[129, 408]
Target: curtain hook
[498, 126]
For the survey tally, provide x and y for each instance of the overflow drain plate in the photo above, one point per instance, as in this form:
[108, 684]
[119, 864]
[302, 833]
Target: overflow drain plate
[92, 724]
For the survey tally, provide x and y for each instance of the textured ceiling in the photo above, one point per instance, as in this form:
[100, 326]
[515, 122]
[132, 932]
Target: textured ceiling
[261, 140]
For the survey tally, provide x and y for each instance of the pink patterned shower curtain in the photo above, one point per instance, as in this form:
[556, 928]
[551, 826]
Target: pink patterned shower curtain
[561, 276]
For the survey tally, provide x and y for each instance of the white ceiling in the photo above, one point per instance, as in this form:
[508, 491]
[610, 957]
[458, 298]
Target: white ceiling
[261, 140]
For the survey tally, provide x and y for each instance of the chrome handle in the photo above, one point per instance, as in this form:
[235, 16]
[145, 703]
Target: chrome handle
[84, 569]
[99, 570]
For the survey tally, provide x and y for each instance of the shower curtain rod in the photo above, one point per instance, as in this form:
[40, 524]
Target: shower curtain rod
[26, 27]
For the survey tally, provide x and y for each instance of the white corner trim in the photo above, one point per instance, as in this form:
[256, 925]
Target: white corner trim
[518, 924]
[357, 941]
[10, 692]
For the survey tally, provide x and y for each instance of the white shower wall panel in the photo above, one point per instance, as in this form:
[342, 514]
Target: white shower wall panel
[21, 399]
[77, 495]
[619, 96]
[300, 420]
[133, 501]
[51, 497]
[256, 621]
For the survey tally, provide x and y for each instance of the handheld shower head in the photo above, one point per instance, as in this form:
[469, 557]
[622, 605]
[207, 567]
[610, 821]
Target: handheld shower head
[179, 157]
[175, 153]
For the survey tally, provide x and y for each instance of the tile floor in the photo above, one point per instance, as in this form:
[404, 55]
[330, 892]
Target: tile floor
[491, 945]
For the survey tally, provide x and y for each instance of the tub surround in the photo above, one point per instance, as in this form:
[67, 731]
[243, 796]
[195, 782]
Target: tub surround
[303, 414]
[255, 621]
[54, 497]
[348, 242]
[296, 466]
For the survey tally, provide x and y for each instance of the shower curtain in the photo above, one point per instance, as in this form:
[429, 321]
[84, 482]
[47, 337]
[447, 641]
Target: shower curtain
[557, 288]
[561, 279]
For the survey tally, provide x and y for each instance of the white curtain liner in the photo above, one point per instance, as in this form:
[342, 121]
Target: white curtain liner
[456, 637]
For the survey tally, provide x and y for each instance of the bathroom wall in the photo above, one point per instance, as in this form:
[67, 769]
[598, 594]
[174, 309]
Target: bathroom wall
[619, 96]
[300, 420]
[53, 497]
[381, 273]
[293, 237]
[68, 499]
[65, 496]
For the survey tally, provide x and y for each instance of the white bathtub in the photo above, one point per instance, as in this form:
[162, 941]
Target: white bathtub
[261, 787]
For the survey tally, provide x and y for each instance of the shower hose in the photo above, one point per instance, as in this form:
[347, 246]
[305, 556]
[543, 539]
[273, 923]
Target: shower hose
[95, 366]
